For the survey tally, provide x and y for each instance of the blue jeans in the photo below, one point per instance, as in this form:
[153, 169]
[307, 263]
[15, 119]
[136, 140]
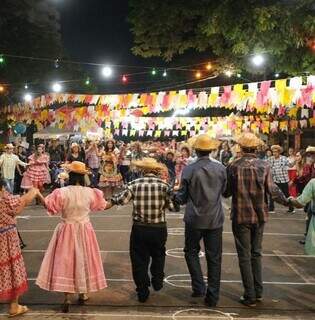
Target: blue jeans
[9, 185]
[248, 242]
[213, 249]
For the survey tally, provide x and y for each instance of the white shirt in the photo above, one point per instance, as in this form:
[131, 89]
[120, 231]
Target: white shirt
[8, 163]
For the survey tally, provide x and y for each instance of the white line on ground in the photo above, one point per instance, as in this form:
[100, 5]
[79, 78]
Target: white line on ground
[170, 232]
[294, 267]
[224, 253]
[222, 281]
[128, 315]
[169, 217]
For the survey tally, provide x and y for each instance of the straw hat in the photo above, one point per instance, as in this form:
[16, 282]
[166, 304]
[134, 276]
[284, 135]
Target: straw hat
[276, 147]
[191, 141]
[248, 140]
[236, 148]
[203, 142]
[310, 149]
[76, 167]
[148, 164]
[9, 146]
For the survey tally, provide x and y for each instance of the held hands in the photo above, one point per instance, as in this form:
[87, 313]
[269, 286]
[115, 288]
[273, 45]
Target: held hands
[292, 201]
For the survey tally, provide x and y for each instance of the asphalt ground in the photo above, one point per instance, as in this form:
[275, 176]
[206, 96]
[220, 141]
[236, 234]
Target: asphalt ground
[289, 274]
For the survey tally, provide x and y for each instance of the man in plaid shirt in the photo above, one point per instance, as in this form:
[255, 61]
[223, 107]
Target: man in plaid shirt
[150, 196]
[249, 182]
[279, 169]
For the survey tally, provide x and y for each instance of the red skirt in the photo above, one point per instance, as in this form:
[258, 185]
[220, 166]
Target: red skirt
[13, 277]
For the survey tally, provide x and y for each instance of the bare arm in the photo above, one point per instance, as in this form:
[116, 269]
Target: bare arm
[27, 198]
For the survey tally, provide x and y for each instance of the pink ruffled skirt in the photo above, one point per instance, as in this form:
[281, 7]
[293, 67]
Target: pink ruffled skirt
[72, 262]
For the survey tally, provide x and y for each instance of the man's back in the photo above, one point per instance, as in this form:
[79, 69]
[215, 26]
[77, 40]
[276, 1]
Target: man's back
[249, 181]
[203, 183]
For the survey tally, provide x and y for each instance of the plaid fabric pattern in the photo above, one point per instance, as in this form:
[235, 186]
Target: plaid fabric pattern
[150, 196]
[279, 169]
[249, 182]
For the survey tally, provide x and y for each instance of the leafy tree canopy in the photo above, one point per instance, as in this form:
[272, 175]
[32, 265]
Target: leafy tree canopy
[229, 30]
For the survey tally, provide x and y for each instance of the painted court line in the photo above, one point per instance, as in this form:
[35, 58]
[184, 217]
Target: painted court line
[294, 267]
[117, 216]
[170, 232]
[224, 253]
[222, 281]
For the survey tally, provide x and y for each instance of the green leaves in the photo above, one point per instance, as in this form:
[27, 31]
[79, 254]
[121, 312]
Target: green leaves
[227, 29]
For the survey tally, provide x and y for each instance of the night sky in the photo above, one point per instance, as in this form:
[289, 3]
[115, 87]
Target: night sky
[98, 31]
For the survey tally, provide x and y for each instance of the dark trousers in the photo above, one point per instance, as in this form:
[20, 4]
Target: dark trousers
[94, 178]
[213, 249]
[284, 187]
[147, 243]
[248, 242]
[124, 171]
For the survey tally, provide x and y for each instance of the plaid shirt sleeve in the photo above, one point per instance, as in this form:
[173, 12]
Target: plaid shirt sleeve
[276, 194]
[122, 198]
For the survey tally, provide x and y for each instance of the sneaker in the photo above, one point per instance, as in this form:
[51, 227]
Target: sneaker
[259, 299]
[247, 302]
[272, 211]
[143, 295]
[209, 303]
[291, 211]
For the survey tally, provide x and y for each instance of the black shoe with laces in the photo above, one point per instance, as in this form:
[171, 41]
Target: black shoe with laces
[143, 295]
[209, 303]
[247, 302]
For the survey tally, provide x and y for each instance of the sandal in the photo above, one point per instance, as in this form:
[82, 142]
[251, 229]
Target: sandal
[20, 310]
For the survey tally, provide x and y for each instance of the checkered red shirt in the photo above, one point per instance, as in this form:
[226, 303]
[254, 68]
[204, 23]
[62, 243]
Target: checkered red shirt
[249, 182]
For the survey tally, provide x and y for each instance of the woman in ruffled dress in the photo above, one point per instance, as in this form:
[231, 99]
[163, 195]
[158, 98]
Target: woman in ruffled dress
[110, 178]
[36, 173]
[13, 277]
[72, 263]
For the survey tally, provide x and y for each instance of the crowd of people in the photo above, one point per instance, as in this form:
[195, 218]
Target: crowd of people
[155, 175]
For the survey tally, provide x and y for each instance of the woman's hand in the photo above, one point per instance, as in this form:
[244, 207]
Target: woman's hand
[109, 204]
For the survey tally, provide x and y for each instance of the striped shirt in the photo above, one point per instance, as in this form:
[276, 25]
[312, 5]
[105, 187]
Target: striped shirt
[150, 196]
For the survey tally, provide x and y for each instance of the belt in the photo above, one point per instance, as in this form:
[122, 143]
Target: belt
[154, 225]
[7, 228]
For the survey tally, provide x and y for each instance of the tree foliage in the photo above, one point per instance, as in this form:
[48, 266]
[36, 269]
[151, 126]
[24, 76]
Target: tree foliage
[31, 28]
[229, 30]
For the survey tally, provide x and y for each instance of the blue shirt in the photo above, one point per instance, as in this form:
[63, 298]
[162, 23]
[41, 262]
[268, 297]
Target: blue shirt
[202, 185]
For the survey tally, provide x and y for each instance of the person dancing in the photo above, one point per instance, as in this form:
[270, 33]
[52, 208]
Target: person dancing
[13, 277]
[36, 173]
[72, 263]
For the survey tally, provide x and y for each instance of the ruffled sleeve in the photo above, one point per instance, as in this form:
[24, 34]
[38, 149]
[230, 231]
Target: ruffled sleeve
[12, 203]
[54, 202]
[97, 200]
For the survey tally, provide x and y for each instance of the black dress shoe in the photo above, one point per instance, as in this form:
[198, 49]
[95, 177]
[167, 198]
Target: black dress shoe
[209, 303]
[143, 295]
[157, 286]
[247, 302]
[302, 242]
